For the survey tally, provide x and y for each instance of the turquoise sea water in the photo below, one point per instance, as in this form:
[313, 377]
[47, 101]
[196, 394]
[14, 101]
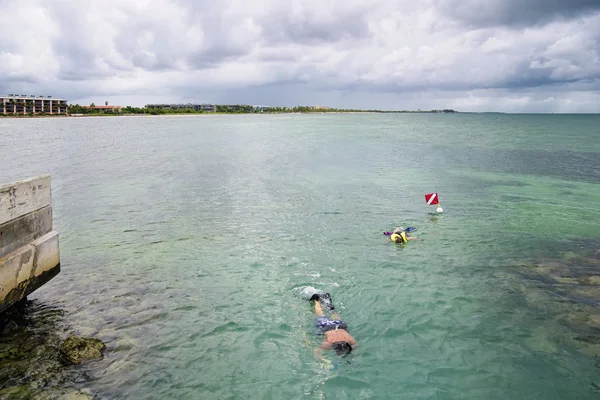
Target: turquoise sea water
[186, 243]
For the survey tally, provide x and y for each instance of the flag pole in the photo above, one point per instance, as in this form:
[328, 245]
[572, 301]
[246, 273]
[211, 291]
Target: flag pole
[439, 208]
[439, 205]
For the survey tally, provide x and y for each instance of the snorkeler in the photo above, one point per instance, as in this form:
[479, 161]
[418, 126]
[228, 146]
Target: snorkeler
[336, 333]
[401, 235]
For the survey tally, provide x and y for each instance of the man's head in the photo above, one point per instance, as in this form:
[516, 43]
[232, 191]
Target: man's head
[341, 348]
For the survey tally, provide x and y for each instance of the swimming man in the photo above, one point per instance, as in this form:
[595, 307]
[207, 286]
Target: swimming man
[400, 235]
[336, 333]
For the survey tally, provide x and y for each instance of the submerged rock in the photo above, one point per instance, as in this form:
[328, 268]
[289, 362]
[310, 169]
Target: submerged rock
[77, 395]
[593, 280]
[569, 289]
[32, 365]
[565, 280]
[588, 339]
[77, 350]
[16, 392]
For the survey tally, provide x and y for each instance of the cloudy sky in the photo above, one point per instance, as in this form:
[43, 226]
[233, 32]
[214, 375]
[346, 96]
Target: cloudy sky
[470, 55]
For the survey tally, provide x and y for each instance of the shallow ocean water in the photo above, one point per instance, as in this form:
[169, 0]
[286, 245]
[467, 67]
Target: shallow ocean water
[186, 243]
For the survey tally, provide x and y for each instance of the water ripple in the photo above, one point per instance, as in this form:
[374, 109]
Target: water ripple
[190, 245]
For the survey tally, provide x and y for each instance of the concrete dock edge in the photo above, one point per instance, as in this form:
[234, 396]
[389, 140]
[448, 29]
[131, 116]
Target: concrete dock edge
[29, 248]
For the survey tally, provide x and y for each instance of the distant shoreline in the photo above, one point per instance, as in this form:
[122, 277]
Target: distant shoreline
[217, 113]
[208, 114]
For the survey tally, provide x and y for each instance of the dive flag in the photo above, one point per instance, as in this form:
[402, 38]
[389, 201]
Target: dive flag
[432, 199]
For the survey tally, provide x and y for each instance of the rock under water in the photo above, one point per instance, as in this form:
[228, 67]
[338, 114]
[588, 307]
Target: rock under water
[31, 364]
[569, 287]
[77, 350]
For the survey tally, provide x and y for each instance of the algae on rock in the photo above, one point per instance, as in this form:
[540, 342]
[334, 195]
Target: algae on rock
[80, 349]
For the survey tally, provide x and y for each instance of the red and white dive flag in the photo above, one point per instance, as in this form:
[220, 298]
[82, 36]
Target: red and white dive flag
[432, 199]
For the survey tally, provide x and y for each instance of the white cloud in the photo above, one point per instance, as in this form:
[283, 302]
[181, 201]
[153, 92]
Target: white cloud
[497, 55]
[28, 32]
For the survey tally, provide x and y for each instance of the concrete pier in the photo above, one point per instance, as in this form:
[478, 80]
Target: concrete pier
[29, 251]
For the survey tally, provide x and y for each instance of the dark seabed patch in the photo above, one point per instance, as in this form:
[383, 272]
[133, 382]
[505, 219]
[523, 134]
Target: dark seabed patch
[569, 289]
[30, 360]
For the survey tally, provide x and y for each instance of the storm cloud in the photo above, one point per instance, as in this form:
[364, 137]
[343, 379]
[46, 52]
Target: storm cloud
[518, 13]
[471, 55]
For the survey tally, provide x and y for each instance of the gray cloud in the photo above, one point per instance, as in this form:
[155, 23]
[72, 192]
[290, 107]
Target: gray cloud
[519, 13]
[320, 25]
[470, 54]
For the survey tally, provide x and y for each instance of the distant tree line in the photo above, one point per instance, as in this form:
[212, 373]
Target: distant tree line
[234, 109]
[77, 109]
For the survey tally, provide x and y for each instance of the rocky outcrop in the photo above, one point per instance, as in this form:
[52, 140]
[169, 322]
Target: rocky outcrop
[31, 362]
[76, 350]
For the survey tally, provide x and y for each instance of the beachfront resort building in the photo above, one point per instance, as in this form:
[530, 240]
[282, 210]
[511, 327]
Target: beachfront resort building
[21, 104]
[105, 109]
[188, 106]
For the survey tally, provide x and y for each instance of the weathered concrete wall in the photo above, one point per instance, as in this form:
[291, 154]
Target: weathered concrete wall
[29, 251]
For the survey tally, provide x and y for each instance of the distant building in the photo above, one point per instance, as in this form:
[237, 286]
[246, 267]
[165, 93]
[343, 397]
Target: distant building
[15, 104]
[321, 107]
[106, 109]
[258, 108]
[196, 107]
